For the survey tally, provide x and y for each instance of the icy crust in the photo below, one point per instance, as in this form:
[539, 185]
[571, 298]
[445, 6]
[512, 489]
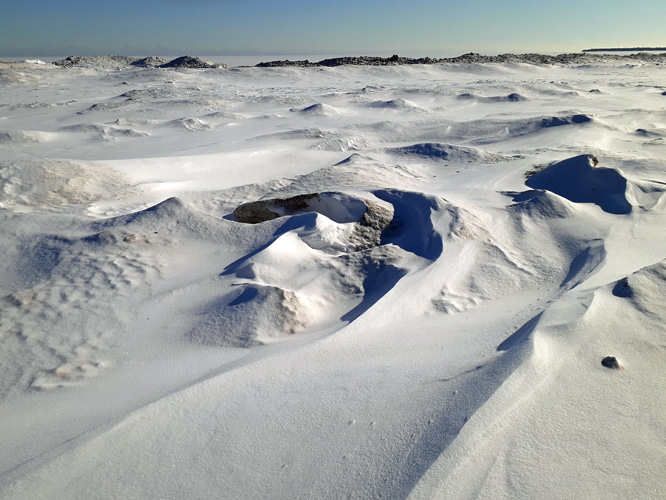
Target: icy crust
[56, 184]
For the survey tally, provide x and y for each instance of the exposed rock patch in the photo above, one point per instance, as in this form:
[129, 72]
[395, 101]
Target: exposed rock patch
[611, 362]
[370, 219]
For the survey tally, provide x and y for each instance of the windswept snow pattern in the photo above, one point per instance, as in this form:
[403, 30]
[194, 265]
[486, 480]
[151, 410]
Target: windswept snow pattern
[332, 282]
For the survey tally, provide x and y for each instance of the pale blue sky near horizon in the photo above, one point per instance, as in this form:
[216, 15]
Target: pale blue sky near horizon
[343, 27]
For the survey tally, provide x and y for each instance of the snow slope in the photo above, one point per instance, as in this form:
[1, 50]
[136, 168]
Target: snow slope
[348, 282]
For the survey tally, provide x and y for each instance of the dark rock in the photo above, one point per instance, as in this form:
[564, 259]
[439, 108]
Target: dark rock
[368, 226]
[623, 289]
[285, 63]
[611, 362]
[260, 211]
[514, 97]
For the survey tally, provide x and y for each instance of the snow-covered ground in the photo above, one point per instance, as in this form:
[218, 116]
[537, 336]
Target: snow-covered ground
[350, 282]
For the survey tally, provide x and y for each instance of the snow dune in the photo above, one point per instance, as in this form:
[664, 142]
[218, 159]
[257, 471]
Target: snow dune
[346, 282]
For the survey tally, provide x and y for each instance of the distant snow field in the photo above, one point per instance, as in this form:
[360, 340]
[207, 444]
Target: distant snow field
[348, 282]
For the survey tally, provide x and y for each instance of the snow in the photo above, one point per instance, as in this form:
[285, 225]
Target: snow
[333, 282]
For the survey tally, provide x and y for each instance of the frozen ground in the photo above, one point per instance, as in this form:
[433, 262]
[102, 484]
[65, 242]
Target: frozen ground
[349, 282]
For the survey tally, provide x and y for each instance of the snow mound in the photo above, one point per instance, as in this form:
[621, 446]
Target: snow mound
[578, 179]
[190, 63]
[513, 97]
[370, 218]
[333, 255]
[318, 110]
[303, 133]
[397, 104]
[346, 144]
[257, 315]
[103, 131]
[488, 257]
[540, 204]
[105, 106]
[354, 173]
[448, 153]
[172, 218]
[487, 271]
[191, 124]
[641, 288]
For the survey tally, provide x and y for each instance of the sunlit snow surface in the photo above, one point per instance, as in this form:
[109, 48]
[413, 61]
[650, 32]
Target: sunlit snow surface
[441, 256]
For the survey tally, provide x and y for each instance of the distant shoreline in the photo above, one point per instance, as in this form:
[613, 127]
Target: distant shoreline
[471, 58]
[628, 49]
[654, 55]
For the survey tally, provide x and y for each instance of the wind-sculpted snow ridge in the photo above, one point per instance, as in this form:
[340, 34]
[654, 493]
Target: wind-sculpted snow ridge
[104, 132]
[397, 104]
[447, 153]
[513, 97]
[480, 131]
[331, 259]
[318, 109]
[581, 180]
[563, 349]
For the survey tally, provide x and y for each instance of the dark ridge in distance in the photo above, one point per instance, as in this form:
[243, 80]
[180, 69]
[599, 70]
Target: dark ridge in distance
[628, 49]
[185, 62]
[188, 62]
[471, 58]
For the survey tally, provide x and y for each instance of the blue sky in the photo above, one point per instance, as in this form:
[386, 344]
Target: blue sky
[342, 27]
